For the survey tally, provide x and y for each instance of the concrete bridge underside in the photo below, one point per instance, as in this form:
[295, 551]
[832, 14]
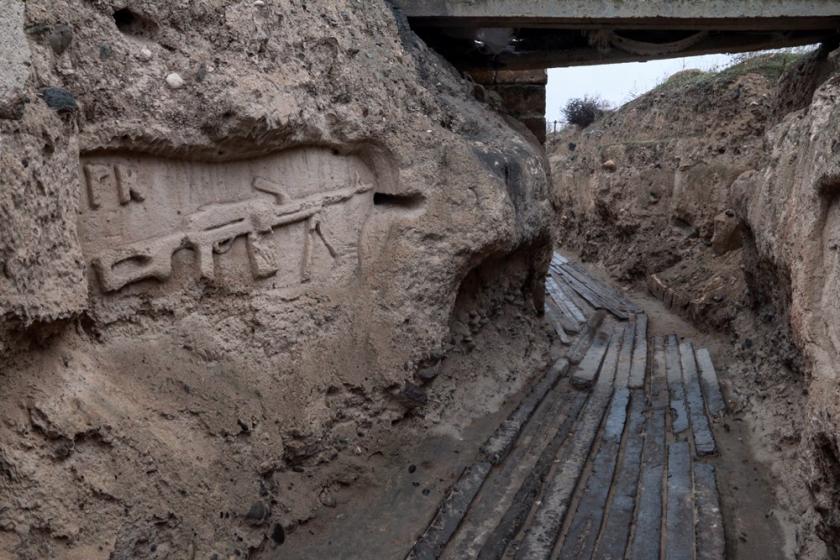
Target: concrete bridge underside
[507, 44]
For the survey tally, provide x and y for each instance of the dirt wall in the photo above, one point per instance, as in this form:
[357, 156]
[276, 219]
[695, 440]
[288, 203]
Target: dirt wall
[232, 240]
[791, 206]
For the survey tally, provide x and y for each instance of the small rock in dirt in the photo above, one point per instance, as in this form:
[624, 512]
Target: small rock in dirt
[278, 535]
[426, 491]
[413, 396]
[257, 514]
[59, 99]
[326, 498]
[412, 468]
[267, 467]
[144, 55]
[63, 449]
[174, 81]
[428, 374]
[60, 38]
[609, 165]
[105, 52]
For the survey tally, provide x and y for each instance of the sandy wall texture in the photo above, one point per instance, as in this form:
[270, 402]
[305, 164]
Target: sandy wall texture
[231, 236]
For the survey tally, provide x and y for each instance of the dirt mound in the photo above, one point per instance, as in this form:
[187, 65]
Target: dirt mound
[241, 242]
[714, 192]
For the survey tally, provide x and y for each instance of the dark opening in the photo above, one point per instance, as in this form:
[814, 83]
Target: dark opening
[829, 185]
[409, 201]
[131, 23]
[124, 19]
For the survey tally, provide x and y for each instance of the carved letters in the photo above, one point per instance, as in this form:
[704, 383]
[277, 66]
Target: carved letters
[118, 178]
[140, 211]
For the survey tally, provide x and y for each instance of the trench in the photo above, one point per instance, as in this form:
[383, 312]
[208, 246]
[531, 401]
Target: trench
[650, 432]
[407, 320]
[565, 468]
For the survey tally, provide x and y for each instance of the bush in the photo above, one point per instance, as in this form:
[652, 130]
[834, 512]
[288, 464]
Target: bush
[583, 111]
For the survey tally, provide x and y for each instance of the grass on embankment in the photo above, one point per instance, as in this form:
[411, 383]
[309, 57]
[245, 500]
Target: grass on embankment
[771, 66]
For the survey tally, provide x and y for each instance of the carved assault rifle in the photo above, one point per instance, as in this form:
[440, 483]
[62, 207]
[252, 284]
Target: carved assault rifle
[213, 229]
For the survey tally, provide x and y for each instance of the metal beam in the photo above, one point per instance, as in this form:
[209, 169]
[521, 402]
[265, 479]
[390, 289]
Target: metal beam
[559, 58]
[628, 14]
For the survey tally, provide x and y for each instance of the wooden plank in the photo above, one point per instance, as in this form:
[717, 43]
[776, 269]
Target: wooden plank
[645, 542]
[581, 345]
[709, 534]
[556, 318]
[559, 409]
[570, 323]
[704, 439]
[563, 300]
[586, 292]
[563, 290]
[615, 532]
[640, 353]
[648, 527]
[606, 291]
[679, 516]
[582, 535]
[540, 538]
[430, 545]
[496, 448]
[608, 366]
[517, 513]
[658, 377]
[625, 357]
[562, 276]
[558, 258]
[576, 278]
[679, 412]
[711, 386]
[586, 373]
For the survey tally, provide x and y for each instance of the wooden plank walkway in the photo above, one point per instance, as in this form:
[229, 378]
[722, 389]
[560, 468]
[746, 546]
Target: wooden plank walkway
[606, 457]
[619, 517]
[570, 275]
[541, 536]
[640, 354]
[581, 345]
[587, 370]
[580, 539]
[701, 430]
[711, 386]
[679, 517]
[679, 411]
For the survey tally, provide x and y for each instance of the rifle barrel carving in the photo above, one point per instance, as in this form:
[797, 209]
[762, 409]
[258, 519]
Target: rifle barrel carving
[214, 227]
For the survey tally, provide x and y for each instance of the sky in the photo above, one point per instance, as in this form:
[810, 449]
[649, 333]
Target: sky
[618, 83]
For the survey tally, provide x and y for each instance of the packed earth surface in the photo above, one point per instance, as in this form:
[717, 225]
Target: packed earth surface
[277, 281]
